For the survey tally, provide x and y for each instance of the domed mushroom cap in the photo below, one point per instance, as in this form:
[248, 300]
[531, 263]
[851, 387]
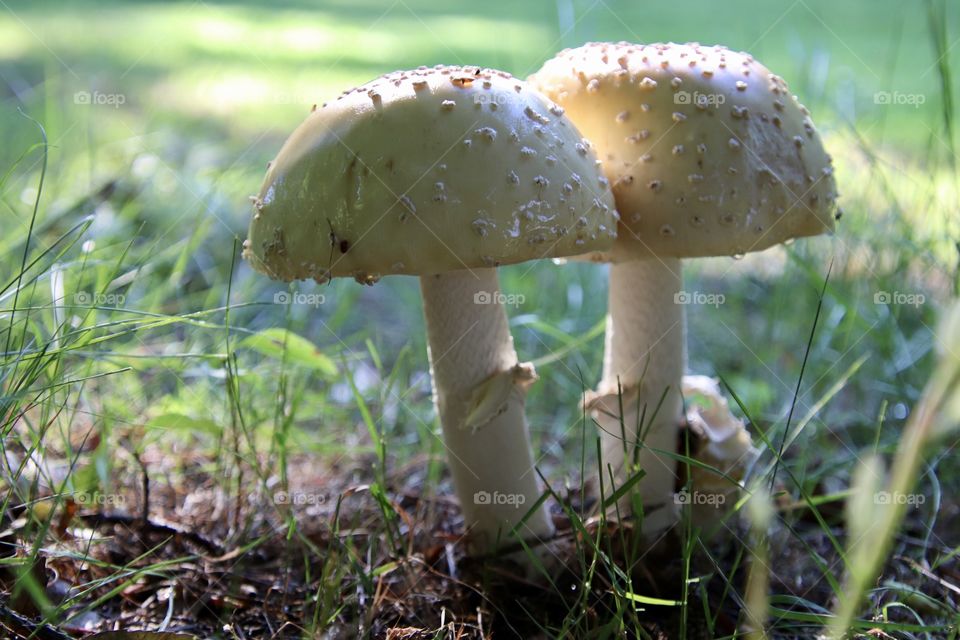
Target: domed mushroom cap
[707, 151]
[429, 171]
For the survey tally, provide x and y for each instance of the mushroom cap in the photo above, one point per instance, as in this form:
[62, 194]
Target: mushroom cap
[707, 151]
[429, 171]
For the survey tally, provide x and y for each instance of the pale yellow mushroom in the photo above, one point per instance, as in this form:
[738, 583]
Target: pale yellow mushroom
[444, 173]
[708, 154]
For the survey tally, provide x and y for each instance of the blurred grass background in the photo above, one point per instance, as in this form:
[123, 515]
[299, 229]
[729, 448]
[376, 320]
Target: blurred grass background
[195, 98]
[161, 118]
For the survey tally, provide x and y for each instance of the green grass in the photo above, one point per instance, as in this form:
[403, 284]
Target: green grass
[173, 359]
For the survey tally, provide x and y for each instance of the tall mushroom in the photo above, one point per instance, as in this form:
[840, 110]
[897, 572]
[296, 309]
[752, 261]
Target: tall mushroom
[708, 154]
[443, 173]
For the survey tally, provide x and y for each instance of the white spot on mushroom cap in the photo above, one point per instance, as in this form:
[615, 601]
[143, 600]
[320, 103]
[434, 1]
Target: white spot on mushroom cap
[487, 133]
[536, 117]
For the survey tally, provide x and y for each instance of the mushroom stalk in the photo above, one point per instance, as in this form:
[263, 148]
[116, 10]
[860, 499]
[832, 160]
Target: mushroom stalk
[645, 355]
[479, 389]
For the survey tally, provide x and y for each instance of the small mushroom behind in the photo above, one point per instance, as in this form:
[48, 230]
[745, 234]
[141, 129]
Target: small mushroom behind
[717, 158]
[444, 173]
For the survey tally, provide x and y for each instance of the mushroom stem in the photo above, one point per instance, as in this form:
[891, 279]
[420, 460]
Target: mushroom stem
[645, 354]
[479, 389]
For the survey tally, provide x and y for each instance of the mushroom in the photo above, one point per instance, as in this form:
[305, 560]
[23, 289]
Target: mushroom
[444, 173]
[708, 154]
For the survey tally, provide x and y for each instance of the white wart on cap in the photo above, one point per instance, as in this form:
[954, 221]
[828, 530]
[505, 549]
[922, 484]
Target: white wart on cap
[429, 171]
[708, 151]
